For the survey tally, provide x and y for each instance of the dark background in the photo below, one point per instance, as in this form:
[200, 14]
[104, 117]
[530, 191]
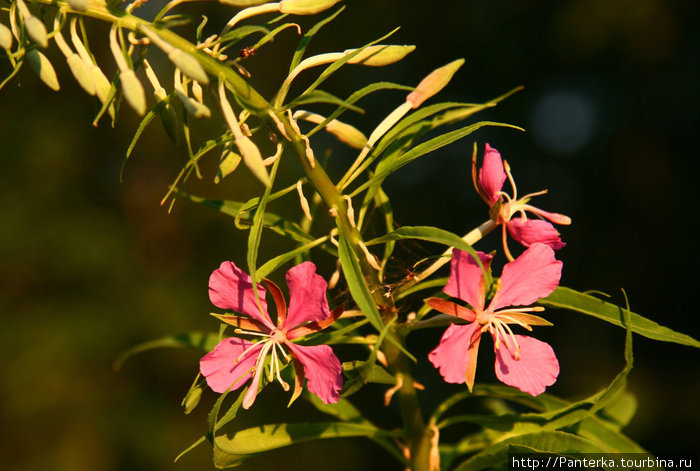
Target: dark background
[91, 266]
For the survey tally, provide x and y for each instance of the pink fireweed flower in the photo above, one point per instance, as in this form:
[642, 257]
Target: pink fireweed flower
[521, 361]
[234, 360]
[489, 181]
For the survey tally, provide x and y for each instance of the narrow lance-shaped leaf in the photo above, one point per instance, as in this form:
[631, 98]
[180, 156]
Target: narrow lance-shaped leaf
[567, 298]
[205, 341]
[304, 42]
[232, 449]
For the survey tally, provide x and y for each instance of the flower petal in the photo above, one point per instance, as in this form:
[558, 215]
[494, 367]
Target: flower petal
[223, 368]
[456, 354]
[531, 276]
[492, 174]
[537, 368]
[530, 231]
[322, 370]
[466, 278]
[231, 288]
[307, 295]
[448, 307]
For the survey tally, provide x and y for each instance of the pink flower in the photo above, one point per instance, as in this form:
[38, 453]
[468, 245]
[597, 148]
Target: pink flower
[521, 361]
[234, 360]
[489, 184]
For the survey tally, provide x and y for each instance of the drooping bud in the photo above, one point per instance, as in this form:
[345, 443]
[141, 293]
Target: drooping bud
[227, 164]
[81, 73]
[182, 60]
[189, 65]
[133, 91]
[433, 83]
[79, 5]
[42, 66]
[380, 55]
[169, 120]
[193, 107]
[249, 151]
[303, 201]
[344, 132]
[34, 26]
[305, 7]
[5, 37]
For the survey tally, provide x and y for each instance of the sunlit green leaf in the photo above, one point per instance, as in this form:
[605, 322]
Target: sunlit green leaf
[205, 341]
[301, 48]
[567, 298]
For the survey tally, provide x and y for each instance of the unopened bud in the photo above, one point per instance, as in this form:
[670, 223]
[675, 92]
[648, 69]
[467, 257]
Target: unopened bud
[242, 3]
[380, 55]
[253, 159]
[81, 73]
[305, 7]
[192, 398]
[344, 132]
[80, 5]
[5, 37]
[133, 91]
[228, 163]
[42, 66]
[36, 30]
[193, 107]
[433, 83]
[188, 65]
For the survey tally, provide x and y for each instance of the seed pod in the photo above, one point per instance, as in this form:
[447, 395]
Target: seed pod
[433, 83]
[305, 7]
[228, 163]
[133, 91]
[41, 65]
[380, 55]
[81, 73]
[80, 5]
[5, 37]
[188, 65]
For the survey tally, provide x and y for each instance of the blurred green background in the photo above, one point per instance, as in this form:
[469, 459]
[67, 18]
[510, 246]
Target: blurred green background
[91, 266]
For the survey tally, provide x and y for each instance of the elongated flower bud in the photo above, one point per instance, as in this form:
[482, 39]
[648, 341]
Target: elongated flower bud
[5, 37]
[305, 7]
[80, 5]
[81, 73]
[380, 55]
[133, 91]
[42, 66]
[193, 107]
[242, 3]
[344, 132]
[34, 26]
[182, 60]
[433, 83]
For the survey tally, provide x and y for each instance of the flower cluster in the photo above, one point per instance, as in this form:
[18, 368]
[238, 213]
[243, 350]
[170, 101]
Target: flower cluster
[521, 361]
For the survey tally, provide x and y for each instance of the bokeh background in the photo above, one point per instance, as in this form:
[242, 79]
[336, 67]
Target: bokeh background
[91, 266]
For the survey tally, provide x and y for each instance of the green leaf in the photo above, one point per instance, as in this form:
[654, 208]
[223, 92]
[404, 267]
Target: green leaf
[273, 264]
[432, 234]
[388, 166]
[560, 443]
[342, 410]
[356, 96]
[304, 42]
[356, 283]
[205, 341]
[232, 449]
[332, 68]
[319, 96]
[567, 298]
